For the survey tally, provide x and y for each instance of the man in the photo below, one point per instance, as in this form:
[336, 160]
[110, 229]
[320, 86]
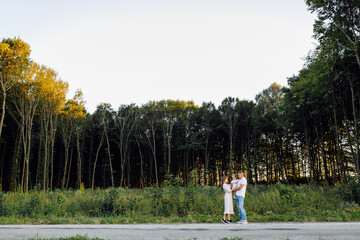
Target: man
[240, 190]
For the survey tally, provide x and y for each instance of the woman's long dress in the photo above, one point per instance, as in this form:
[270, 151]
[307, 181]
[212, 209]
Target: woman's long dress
[229, 208]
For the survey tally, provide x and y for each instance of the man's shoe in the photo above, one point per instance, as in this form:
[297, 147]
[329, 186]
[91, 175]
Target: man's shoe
[243, 222]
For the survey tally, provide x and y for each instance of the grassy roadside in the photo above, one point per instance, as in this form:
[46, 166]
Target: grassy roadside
[87, 238]
[175, 204]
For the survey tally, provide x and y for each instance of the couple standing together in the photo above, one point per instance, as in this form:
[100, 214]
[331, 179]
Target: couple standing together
[237, 185]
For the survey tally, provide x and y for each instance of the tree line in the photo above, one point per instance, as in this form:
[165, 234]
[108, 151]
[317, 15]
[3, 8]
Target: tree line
[306, 132]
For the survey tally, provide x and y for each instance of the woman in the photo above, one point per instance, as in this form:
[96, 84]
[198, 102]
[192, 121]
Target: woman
[229, 209]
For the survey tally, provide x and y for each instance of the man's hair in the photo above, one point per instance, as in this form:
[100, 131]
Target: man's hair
[240, 172]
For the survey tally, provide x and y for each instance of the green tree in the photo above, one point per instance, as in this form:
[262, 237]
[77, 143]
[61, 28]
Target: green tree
[125, 122]
[151, 117]
[230, 117]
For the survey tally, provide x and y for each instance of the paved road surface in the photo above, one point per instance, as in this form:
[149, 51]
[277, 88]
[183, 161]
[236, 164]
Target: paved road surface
[279, 231]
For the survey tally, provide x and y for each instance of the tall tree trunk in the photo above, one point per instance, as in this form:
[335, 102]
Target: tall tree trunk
[231, 153]
[110, 161]
[70, 164]
[3, 88]
[169, 153]
[207, 160]
[165, 149]
[79, 162]
[337, 139]
[153, 149]
[308, 148]
[129, 169]
[15, 169]
[355, 125]
[141, 163]
[349, 138]
[51, 150]
[321, 145]
[66, 157]
[96, 159]
[90, 156]
[46, 153]
[39, 157]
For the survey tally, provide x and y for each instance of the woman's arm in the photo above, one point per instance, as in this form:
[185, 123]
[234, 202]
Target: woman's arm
[226, 188]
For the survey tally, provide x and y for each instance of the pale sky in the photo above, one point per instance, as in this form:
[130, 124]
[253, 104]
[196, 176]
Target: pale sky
[134, 51]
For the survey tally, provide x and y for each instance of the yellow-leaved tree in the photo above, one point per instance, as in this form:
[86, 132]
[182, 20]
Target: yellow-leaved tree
[25, 96]
[53, 98]
[72, 117]
[14, 59]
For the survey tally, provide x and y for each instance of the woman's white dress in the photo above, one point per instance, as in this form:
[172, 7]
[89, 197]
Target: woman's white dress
[228, 201]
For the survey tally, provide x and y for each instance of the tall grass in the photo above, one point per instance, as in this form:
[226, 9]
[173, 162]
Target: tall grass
[172, 203]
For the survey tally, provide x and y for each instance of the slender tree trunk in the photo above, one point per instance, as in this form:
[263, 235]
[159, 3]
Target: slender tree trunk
[337, 139]
[45, 176]
[129, 169]
[96, 159]
[320, 143]
[169, 153]
[28, 122]
[207, 160]
[70, 164]
[63, 180]
[66, 132]
[141, 163]
[39, 163]
[51, 150]
[308, 148]
[231, 154]
[164, 149]
[79, 162]
[24, 158]
[355, 125]
[349, 138]
[3, 105]
[90, 156]
[110, 161]
[153, 149]
[15, 169]
[122, 161]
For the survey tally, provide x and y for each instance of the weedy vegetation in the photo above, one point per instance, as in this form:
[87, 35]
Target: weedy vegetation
[172, 203]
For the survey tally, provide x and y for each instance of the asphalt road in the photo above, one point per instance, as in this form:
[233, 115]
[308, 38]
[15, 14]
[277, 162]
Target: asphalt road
[280, 231]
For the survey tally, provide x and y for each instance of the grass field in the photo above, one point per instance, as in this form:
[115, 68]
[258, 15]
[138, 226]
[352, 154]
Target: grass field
[175, 204]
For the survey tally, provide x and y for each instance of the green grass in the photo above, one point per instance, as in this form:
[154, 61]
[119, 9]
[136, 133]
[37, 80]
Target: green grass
[77, 237]
[174, 204]
[87, 238]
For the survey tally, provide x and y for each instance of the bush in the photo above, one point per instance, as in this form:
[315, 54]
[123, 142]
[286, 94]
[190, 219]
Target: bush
[351, 191]
[3, 210]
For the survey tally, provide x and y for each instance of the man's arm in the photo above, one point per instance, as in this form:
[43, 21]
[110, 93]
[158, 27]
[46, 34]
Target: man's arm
[238, 188]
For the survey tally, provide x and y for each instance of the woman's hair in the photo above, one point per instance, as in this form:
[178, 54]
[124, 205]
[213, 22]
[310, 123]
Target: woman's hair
[223, 180]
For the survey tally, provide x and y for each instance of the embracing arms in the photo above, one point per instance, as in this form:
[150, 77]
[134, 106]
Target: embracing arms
[237, 188]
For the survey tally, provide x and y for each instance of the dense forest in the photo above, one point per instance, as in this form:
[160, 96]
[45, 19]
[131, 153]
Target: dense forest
[306, 132]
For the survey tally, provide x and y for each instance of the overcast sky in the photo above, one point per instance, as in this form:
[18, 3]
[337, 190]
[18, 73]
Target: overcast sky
[134, 51]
